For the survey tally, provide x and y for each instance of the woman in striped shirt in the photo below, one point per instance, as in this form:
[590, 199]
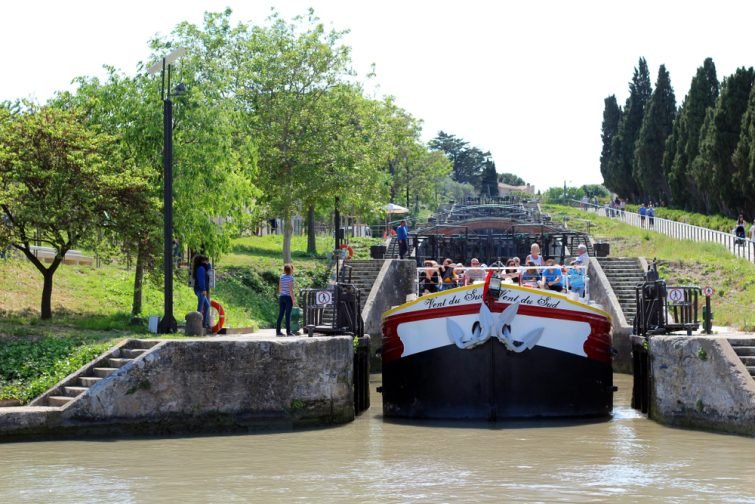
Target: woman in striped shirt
[286, 299]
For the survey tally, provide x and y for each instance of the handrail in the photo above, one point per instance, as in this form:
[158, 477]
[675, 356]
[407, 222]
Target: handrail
[740, 247]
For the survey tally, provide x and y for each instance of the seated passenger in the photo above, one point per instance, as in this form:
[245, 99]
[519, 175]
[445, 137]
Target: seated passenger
[552, 278]
[460, 274]
[511, 273]
[531, 276]
[576, 278]
[429, 279]
[475, 273]
[447, 275]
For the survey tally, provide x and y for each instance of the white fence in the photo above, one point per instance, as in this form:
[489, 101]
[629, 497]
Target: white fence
[743, 248]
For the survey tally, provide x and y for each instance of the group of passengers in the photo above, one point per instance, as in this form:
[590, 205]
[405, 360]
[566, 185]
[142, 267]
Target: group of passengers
[537, 272]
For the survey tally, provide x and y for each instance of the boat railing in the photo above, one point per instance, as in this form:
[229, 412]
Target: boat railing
[509, 275]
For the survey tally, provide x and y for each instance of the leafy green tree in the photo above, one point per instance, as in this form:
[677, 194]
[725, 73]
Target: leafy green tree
[511, 179]
[468, 162]
[595, 190]
[609, 131]
[623, 146]
[59, 183]
[744, 155]
[713, 168]
[702, 95]
[451, 190]
[286, 70]
[656, 128]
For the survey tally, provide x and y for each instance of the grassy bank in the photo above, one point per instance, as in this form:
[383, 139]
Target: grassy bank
[682, 262]
[91, 307]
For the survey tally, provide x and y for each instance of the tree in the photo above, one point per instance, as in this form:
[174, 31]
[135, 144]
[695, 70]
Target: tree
[744, 155]
[511, 179]
[609, 131]
[286, 69]
[702, 95]
[713, 168]
[59, 182]
[623, 148]
[468, 162]
[489, 180]
[656, 128]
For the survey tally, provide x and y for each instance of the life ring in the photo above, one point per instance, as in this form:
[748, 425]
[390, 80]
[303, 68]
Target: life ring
[349, 250]
[389, 232]
[221, 316]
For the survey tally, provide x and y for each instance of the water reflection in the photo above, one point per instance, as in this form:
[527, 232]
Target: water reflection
[625, 459]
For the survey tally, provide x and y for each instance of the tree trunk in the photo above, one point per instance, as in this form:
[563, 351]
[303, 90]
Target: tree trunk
[47, 295]
[288, 231]
[311, 242]
[136, 305]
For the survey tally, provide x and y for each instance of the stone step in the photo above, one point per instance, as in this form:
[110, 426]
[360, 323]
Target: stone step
[103, 372]
[132, 353]
[751, 369]
[747, 360]
[74, 391]
[143, 344]
[744, 350]
[88, 381]
[118, 362]
[742, 342]
[58, 401]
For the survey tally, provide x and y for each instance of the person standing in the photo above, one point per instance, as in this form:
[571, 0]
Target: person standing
[752, 231]
[643, 211]
[201, 273]
[583, 257]
[402, 235]
[286, 299]
[651, 216]
[535, 256]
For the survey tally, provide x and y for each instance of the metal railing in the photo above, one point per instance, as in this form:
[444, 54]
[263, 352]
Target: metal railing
[336, 309]
[740, 247]
[662, 309]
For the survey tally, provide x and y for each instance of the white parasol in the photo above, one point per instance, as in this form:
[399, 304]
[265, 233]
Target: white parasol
[394, 208]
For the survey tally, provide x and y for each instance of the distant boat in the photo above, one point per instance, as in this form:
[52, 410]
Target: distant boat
[492, 351]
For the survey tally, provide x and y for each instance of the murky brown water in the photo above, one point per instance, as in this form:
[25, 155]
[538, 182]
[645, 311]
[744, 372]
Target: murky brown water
[625, 459]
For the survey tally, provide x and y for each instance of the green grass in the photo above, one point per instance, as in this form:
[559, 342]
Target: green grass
[91, 307]
[682, 262]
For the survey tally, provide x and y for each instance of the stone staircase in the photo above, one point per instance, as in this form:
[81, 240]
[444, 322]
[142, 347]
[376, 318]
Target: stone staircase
[745, 349]
[363, 274]
[392, 251]
[624, 274]
[78, 383]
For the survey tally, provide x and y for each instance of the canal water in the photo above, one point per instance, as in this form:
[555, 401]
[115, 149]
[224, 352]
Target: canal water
[625, 459]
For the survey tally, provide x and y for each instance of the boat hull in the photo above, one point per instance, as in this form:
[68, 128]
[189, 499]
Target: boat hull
[490, 382]
[520, 353]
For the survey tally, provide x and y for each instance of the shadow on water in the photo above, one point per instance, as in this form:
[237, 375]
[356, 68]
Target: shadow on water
[528, 423]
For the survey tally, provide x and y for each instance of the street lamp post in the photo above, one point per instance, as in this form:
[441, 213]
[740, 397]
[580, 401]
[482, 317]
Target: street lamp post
[168, 323]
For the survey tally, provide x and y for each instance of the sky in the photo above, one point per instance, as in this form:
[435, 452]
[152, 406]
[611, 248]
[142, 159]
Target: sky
[523, 80]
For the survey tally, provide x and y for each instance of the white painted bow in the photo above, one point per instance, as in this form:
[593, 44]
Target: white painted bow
[493, 324]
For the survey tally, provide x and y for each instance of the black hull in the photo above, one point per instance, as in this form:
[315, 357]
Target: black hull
[491, 383]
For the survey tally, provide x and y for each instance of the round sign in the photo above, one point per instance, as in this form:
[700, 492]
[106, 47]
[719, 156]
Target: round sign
[708, 291]
[676, 295]
[323, 297]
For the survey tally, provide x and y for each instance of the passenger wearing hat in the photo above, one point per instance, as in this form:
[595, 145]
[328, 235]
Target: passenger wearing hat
[576, 278]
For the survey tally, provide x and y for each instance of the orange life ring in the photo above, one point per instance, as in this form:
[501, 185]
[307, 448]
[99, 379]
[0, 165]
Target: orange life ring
[389, 232]
[221, 316]
[349, 250]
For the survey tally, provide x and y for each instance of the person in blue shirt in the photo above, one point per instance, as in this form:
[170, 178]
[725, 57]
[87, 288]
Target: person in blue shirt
[643, 211]
[201, 273]
[552, 278]
[531, 276]
[402, 235]
[576, 276]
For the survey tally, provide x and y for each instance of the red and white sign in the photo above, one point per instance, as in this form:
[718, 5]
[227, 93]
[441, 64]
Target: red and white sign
[708, 291]
[323, 297]
[676, 295]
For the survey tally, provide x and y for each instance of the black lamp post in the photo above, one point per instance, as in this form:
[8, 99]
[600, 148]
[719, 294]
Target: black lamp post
[168, 323]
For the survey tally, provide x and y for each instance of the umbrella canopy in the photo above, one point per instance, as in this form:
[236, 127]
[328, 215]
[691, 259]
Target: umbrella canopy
[394, 208]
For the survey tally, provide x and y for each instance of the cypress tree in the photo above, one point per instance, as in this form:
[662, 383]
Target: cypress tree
[744, 154]
[657, 125]
[622, 155]
[609, 130]
[702, 95]
[713, 168]
[489, 180]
